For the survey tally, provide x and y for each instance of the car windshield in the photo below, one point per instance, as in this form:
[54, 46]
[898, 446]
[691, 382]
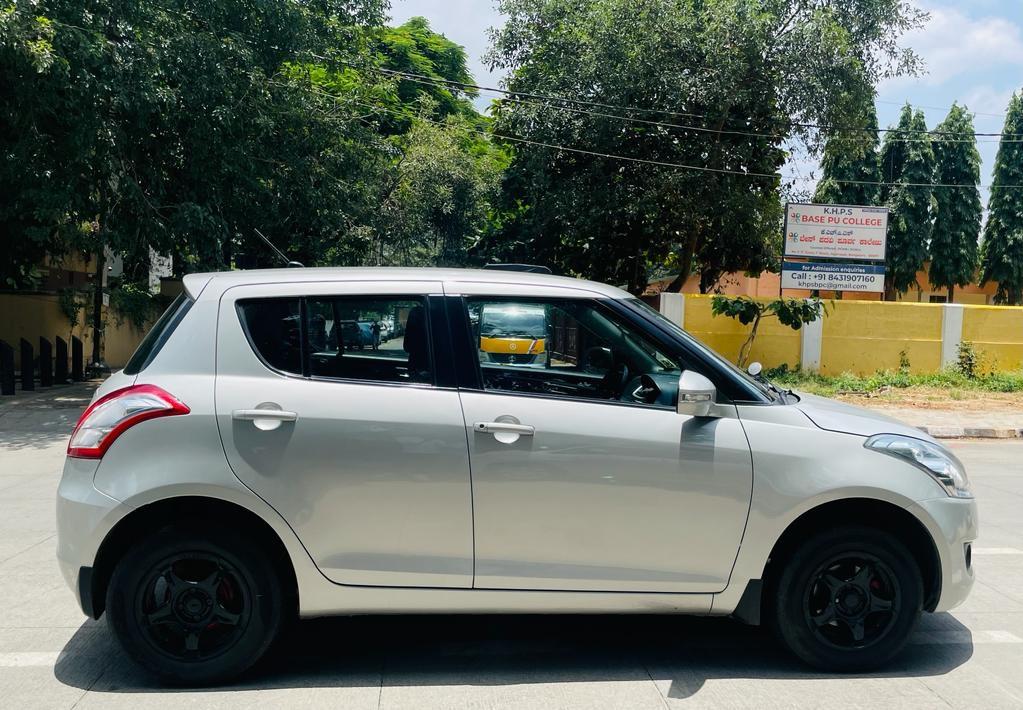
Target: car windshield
[513, 321]
[693, 342]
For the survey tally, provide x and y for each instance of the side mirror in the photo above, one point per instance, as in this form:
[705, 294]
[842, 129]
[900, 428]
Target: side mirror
[696, 394]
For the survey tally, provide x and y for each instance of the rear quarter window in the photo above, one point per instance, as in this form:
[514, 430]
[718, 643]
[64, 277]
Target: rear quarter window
[158, 335]
[274, 329]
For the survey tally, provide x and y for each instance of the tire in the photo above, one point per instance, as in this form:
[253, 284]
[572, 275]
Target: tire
[828, 604]
[195, 605]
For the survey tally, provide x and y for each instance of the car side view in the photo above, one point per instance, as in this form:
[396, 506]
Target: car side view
[259, 460]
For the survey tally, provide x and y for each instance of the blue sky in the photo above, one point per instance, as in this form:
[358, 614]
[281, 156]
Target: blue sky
[973, 50]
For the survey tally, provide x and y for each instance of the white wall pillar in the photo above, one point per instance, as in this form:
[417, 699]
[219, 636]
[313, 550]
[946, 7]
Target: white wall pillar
[811, 337]
[673, 307]
[951, 332]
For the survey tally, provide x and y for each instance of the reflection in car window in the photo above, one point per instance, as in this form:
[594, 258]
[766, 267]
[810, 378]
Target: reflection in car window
[383, 339]
[372, 338]
[709, 353]
[568, 348]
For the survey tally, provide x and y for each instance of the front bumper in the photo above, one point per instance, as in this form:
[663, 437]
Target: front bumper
[84, 517]
[953, 524]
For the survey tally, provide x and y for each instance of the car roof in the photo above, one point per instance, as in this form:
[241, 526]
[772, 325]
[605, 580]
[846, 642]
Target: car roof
[195, 284]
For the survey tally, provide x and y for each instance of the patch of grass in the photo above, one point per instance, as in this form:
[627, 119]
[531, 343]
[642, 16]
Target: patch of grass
[847, 383]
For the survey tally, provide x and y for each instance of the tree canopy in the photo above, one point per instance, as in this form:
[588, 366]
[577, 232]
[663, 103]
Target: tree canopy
[850, 167]
[187, 127]
[719, 86]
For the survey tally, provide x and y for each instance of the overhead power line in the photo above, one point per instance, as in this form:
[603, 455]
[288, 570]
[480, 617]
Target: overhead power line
[611, 156]
[519, 95]
[702, 129]
[944, 109]
[667, 164]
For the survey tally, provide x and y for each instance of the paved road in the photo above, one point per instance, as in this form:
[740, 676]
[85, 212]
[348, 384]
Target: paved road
[51, 657]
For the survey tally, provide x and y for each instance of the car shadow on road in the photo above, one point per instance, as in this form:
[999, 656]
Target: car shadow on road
[679, 653]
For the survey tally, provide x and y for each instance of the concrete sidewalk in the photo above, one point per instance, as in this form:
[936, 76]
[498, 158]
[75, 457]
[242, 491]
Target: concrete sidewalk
[949, 424]
[40, 418]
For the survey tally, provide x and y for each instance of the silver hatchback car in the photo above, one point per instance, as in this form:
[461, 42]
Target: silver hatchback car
[261, 458]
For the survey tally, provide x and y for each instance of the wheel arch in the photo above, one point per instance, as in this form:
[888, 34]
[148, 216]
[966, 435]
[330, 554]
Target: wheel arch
[149, 518]
[881, 514]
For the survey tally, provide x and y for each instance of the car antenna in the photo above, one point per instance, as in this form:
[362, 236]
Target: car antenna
[287, 261]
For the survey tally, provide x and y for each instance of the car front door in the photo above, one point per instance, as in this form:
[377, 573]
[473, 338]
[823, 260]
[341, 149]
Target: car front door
[361, 449]
[584, 475]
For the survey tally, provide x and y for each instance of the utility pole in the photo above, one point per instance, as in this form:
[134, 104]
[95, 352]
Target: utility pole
[97, 364]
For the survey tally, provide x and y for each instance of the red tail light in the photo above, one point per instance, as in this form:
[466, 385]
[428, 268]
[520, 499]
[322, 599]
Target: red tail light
[110, 416]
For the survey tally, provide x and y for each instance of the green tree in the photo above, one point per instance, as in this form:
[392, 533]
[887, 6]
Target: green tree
[736, 78]
[415, 49]
[445, 182]
[1002, 251]
[958, 211]
[894, 151]
[182, 127]
[850, 167]
[911, 205]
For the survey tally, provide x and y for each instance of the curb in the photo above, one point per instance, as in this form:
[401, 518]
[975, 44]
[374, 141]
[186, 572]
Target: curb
[982, 432]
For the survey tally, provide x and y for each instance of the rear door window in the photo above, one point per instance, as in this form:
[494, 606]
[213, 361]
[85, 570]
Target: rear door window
[371, 338]
[377, 338]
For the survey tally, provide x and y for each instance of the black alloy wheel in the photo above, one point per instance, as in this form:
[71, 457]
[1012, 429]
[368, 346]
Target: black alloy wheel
[193, 606]
[196, 605]
[852, 601]
[846, 599]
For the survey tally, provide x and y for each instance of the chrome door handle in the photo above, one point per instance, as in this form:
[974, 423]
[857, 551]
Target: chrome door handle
[252, 415]
[503, 428]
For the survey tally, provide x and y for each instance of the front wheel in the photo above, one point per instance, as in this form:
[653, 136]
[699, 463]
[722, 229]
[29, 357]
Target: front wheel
[194, 605]
[847, 599]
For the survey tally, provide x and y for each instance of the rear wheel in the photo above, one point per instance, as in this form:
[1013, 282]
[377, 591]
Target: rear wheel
[195, 606]
[847, 599]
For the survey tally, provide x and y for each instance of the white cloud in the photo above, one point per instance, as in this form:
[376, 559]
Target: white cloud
[987, 100]
[953, 44]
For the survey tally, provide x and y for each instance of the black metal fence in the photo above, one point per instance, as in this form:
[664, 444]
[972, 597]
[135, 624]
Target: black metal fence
[50, 367]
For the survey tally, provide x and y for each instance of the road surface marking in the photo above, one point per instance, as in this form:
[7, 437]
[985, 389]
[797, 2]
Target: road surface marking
[997, 551]
[29, 659]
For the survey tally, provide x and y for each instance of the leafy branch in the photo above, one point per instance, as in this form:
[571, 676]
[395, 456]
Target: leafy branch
[793, 312]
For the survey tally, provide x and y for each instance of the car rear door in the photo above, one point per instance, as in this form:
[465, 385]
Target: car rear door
[361, 450]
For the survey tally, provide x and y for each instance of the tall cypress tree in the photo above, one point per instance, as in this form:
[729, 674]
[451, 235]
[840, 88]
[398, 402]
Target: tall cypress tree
[850, 165]
[1002, 252]
[958, 210]
[893, 153]
[911, 205]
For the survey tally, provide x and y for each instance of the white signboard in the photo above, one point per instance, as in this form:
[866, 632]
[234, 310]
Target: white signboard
[836, 231]
[865, 278]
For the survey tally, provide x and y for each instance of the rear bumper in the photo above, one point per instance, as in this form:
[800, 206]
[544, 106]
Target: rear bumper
[954, 526]
[83, 519]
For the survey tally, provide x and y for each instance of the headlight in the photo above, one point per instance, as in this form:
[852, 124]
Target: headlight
[941, 464]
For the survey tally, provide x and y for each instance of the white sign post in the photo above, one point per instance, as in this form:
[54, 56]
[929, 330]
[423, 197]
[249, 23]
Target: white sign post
[835, 232]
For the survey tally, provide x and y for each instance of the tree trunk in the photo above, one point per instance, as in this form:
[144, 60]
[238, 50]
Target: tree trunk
[744, 351]
[951, 290]
[889, 291]
[685, 262]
